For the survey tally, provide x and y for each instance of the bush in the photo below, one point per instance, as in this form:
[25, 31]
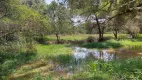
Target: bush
[8, 66]
[41, 40]
[108, 38]
[12, 37]
[138, 36]
[123, 36]
[30, 48]
[12, 47]
[91, 39]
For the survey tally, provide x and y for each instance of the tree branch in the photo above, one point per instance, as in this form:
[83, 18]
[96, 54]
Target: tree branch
[6, 10]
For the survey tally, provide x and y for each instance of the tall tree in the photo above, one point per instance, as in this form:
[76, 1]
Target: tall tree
[98, 8]
[22, 19]
[38, 5]
[59, 19]
[106, 9]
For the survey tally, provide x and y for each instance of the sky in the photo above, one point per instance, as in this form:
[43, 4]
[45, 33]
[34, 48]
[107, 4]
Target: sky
[48, 1]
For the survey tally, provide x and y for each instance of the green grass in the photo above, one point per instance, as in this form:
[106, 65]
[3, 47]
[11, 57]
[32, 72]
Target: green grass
[61, 54]
[106, 44]
[129, 69]
[10, 61]
[113, 70]
[52, 50]
[122, 43]
[77, 36]
[70, 37]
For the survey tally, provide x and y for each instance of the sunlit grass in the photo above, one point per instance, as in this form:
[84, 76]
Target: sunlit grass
[105, 44]
[70, 37]
[44, 51]
[77, 36]
[133, 44]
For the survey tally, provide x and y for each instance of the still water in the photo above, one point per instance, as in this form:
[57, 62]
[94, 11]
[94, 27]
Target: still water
[81, 55]
[106, 55]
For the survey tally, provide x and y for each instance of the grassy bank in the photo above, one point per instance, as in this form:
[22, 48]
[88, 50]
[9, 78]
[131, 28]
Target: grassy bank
[115, 70]
[41, 68]
[79, 36]
[40, 64]
[52, 50]
[90, 70]
[122, 43]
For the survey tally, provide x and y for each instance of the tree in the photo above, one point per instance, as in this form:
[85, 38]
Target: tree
[23, 20]
[3, 9]
[59, 19]
[116, 25]
[38, 5]
[98, 8]
[132, 28]
[106, 9]
[6, 7]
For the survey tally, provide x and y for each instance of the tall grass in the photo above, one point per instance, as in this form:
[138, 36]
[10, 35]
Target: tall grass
[115, 70]
[13, 55]
[100, 70]
[106, 44]
[131, 44]
[53, 50]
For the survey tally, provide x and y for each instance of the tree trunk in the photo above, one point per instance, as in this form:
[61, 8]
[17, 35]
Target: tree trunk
[103, 32]
[58, 38]
[115, 34]
[99, 30]
[133, 35]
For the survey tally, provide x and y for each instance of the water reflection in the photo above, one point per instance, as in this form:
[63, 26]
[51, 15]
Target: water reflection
[80, 55]
[84, 53]
[102, 55]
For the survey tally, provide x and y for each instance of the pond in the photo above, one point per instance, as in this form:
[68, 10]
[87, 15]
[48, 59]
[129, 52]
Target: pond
[104, 54]
[81, 56]
[79, 61]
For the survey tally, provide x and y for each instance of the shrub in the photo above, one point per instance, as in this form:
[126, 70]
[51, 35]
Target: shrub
[41, 40]
[108, 38]
[8, 66]
[91, 39]
[12, 47]
[123, 36]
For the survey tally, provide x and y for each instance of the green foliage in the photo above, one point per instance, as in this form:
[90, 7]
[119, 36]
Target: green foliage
[8, 66]
[13, 54]
[112, 70]
[129, 69]
[106, 44]
[22, 22]
[64, 59]
[59, 19]
[134, 44]
[38, 77]
[48, 78]
[10, 61]
[91, 39]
